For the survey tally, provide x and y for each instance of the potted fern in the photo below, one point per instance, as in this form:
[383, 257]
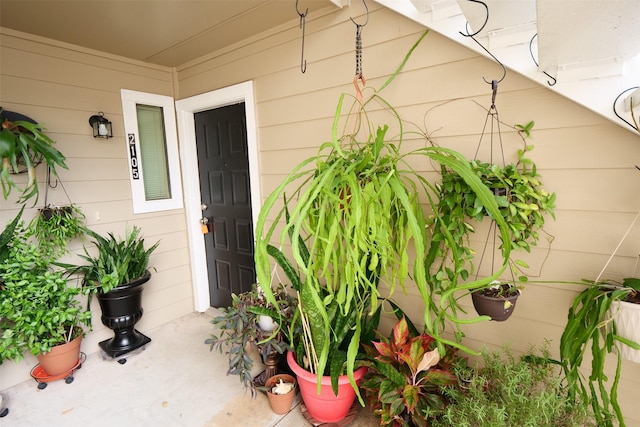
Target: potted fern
[23, 145]
[116, 275]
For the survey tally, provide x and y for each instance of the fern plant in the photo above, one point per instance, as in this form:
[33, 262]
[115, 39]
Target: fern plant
[24, 144]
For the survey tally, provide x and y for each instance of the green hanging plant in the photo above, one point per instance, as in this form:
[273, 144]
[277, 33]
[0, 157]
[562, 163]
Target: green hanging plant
[353, 213]
[23, 144]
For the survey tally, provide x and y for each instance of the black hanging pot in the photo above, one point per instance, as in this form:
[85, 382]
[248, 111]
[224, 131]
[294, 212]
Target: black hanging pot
[499, 308]
[121, 310]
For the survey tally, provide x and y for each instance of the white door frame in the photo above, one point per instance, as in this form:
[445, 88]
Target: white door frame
[185, 110]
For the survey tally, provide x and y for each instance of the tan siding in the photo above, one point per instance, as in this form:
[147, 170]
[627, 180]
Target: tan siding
[61, 86]
[588, 161]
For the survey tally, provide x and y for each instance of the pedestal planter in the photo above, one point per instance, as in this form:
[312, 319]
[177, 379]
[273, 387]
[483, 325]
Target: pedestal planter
[325, 407]
[280, 403]
[627, 318]
[121, 310]
[494, 307]
[62, 358]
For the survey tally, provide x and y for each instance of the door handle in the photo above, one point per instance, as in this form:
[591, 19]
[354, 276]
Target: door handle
[203, 207]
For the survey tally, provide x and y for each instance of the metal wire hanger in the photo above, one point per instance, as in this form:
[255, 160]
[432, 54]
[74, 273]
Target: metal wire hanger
[303, 22]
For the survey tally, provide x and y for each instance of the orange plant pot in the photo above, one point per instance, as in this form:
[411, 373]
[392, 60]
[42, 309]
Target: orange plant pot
[62, 358]
[280, 403]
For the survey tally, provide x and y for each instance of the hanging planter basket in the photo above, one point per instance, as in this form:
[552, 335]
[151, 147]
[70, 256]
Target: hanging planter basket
[496, 302]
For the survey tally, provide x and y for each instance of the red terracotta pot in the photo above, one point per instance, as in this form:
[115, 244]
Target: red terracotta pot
[62, 358]
[325, 407]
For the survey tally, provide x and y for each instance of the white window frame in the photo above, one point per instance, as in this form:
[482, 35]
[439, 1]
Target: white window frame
[130, 99]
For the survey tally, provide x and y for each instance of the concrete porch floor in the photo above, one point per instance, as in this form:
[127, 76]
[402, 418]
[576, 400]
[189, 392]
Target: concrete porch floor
[174, 381]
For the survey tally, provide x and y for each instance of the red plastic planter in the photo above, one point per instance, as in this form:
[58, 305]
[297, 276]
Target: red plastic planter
[325, 407]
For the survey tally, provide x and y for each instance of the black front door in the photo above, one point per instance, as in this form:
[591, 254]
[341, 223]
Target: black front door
[221, 140]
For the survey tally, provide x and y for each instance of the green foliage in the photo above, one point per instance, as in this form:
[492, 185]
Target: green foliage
[591, 327]
[24, 142]
[7, 235]
[38, 307]
[57, 226]
[529, 392]
[522, 199]
[237, 330]
[407, 377]
[357, 215]
[119, 261]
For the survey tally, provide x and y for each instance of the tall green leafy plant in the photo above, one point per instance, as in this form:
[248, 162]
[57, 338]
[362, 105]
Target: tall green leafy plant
[355, 215]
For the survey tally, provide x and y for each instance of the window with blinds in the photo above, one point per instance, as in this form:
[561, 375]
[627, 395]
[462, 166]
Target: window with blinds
[152, 144]
[153, 152]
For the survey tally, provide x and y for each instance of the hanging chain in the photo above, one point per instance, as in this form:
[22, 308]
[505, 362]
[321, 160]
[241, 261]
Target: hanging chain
[359, 76]
[359, 50]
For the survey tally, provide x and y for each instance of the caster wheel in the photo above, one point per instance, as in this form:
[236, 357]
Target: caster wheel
[4, 413]
[42, 386]
[122, 361]
[68, 380]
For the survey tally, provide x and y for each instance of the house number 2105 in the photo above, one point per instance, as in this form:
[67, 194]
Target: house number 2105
[133, 155]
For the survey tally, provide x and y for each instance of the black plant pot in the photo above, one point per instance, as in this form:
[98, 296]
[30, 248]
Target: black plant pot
[494, 307]
[121, 310]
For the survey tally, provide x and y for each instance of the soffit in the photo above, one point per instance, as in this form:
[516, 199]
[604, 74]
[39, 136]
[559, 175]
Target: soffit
[163, 32]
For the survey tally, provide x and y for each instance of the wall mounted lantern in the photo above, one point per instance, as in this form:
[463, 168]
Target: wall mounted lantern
[101, 126]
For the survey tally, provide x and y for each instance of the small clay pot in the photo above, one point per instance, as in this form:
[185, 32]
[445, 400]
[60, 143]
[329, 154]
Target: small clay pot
[281, 403]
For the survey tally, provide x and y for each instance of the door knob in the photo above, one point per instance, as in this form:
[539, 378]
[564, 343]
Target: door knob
[203, 207]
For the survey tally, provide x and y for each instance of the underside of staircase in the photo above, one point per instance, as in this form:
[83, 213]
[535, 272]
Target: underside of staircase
[588, 51]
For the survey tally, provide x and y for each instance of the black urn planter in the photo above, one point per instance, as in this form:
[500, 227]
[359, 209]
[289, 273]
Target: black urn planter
[494, 307]
[121, 310]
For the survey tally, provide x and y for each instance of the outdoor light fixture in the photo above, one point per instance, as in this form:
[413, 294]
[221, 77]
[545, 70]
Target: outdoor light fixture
[101, 126]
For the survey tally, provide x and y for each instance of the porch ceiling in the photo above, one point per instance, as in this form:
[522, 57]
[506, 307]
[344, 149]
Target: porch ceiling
[163, 32]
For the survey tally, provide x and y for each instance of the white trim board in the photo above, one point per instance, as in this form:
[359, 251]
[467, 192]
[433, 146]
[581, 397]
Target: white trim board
[185, 110]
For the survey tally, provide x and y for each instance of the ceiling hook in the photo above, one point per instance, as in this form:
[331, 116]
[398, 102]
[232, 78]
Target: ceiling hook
[504, 69]
[553, 79]
[486, 19]
[633, 126]
[365, 22]
[472, 37]
[303, 22]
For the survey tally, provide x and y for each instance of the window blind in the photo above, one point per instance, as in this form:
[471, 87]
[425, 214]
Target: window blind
[153, 152]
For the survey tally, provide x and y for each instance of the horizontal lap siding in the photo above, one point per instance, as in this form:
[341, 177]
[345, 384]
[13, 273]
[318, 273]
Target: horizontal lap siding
[61, 86]
[586, 160]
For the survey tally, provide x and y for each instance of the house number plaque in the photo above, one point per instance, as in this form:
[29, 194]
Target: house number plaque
[133, 156]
